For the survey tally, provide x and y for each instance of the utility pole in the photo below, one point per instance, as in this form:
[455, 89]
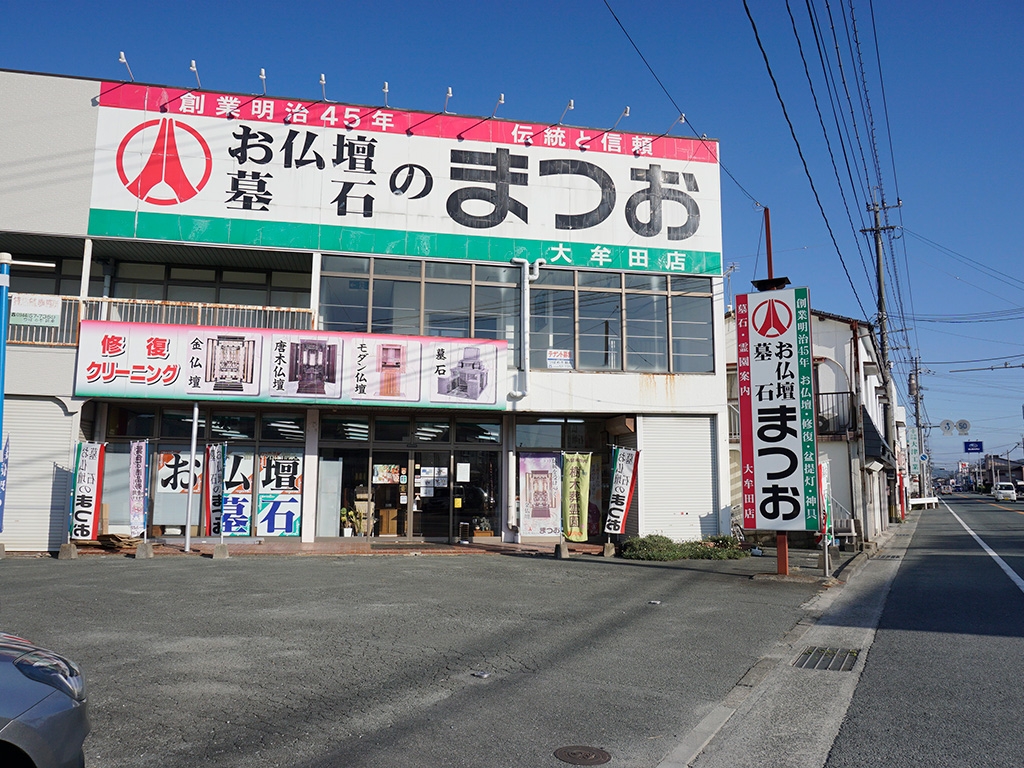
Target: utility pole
[915, 392]
[883, 332]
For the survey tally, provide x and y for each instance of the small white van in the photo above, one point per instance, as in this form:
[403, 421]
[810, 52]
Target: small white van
[1004, 492]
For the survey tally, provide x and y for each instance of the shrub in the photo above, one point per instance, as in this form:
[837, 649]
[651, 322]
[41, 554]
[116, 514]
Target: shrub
[655, 547]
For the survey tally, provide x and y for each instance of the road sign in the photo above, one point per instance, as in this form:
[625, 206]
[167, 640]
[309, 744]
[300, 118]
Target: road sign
[973, 446]
[924, 457]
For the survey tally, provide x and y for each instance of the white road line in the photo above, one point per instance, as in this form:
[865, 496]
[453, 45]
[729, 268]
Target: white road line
[999, 561]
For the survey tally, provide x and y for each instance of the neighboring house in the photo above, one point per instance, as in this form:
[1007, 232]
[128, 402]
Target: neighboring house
[411, 317]
[851, 416]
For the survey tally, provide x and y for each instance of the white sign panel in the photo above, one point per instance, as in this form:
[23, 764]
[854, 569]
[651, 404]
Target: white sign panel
[172, 164]
[777, 424]
[35, 309]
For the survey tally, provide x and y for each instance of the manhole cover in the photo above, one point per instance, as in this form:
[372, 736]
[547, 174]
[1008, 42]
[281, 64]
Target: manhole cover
[582, 755]
[832, 659]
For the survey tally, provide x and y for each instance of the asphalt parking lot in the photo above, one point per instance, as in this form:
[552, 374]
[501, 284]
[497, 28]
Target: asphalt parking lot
[476, 660]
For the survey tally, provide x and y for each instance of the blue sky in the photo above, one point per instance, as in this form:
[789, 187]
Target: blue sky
[948, 130]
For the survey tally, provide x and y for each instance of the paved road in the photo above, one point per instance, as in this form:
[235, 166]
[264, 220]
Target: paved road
[938, 624]
[369, 661]
[944, 682]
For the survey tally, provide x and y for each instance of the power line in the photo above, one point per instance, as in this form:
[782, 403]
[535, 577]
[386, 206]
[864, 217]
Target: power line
[679, 111]
[799, 150]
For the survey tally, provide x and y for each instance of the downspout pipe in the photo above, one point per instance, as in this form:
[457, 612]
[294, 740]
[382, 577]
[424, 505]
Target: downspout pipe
[530, 273]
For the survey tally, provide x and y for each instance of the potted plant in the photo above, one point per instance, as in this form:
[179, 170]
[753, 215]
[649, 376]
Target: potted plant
[351, 520]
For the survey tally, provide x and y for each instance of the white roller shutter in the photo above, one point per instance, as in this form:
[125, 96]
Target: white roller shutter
[678, 477]
[42, 436]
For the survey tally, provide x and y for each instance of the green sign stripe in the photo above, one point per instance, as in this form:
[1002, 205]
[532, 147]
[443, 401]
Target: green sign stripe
[332, 238]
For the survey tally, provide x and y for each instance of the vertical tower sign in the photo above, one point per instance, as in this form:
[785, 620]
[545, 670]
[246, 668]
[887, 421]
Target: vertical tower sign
[778, 448]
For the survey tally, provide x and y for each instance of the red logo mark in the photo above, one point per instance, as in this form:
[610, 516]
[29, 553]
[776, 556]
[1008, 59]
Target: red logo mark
[772, 318]
[163, 179]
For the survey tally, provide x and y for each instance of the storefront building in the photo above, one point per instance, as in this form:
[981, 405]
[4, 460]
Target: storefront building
[387, 323]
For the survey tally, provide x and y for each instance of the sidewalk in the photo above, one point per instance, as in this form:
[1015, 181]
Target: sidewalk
[781, 715]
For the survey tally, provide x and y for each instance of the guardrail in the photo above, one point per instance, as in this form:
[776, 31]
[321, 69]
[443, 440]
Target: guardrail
[160, 313]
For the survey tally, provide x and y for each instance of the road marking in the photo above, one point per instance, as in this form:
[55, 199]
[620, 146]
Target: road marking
[999, 561]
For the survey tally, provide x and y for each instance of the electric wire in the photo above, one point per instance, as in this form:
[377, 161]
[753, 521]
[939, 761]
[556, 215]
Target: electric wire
[824, 131]
[803, 160]
[679, 111]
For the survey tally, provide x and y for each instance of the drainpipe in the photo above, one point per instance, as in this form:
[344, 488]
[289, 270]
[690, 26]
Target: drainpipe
[529, 275]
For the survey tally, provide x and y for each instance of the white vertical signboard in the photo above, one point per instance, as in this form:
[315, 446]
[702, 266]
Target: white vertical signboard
[779, 453]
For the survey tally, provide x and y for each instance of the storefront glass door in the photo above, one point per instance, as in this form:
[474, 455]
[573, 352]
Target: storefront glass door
[432, 499]
[390, 483]
[476, 492]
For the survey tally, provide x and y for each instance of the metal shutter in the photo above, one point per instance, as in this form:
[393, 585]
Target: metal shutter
[678, 477]
[39, 478]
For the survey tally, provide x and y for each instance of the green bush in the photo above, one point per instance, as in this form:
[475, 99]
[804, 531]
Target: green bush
[655, 547]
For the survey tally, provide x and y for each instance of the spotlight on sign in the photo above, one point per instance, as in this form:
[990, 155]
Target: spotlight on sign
[122, 60]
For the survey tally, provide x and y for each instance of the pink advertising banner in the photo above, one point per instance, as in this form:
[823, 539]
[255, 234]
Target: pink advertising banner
[246, 365]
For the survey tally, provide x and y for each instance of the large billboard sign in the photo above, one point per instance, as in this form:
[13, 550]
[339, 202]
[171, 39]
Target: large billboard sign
[192, 166]
[184, 362]
[777, 434]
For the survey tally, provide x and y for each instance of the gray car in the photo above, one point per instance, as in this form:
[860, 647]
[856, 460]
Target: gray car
[43, 712]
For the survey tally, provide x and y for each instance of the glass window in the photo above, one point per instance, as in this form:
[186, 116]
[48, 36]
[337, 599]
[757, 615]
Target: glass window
[489, 274]
[343, 303]
[179, 423]
[449, 270]
[144, 291]
[71, 267]
[690, 284]
[600, 334]
[397, 267]
[646, 282]
[552, 325]
[192, 293]
[298, 280]
[249, 297]
[692, 335]
[123, 421]
[478, 432]
[252, 278]
[599, 280]
[646, 333]
[70, 286]
[351, 264]
[446, 310]
[35, 284]
[555, 277]
[233, 426]
[539, 434]
[391, 430]
[347, 428]
[198, 275]
[432, 431]
[396, 307]
[283, 427]
[497, 317]
[130, 271]
[298, 299]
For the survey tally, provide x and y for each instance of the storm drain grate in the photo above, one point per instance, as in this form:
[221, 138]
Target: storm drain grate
[582, 755]
[886, 557]
[832, 659]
